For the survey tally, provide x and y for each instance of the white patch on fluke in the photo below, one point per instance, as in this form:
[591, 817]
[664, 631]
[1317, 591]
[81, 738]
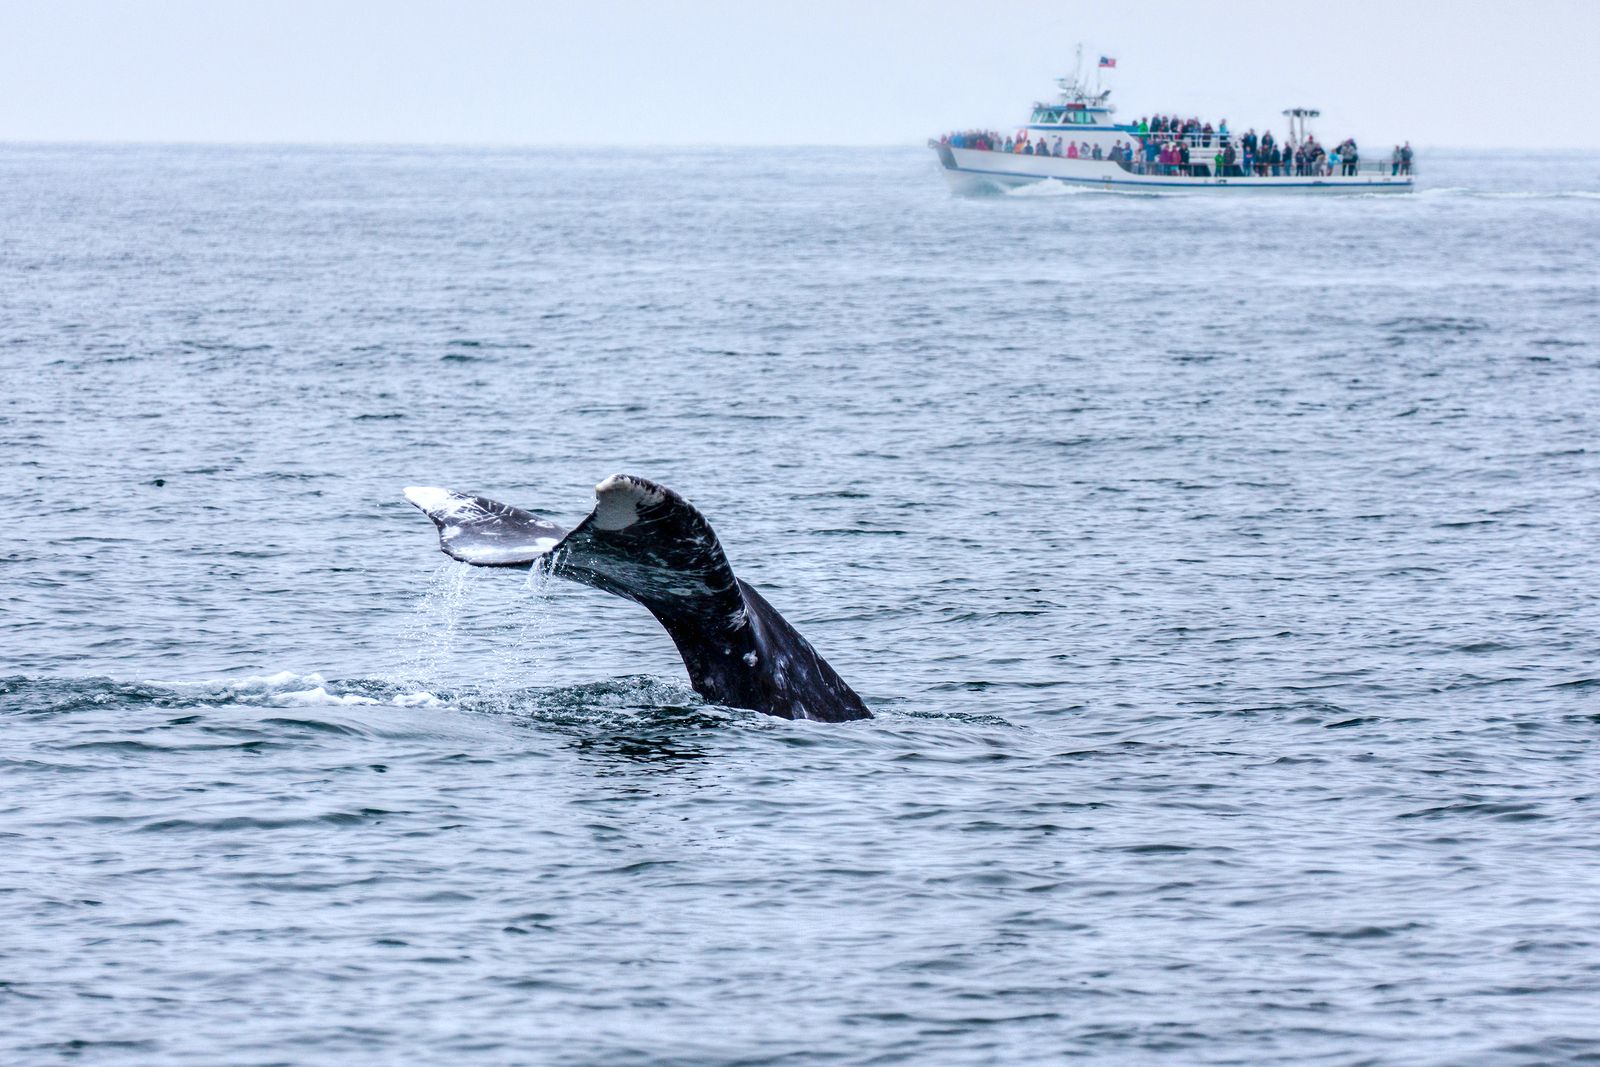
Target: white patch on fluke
[617, 502]
[432, 499]
[517, 552]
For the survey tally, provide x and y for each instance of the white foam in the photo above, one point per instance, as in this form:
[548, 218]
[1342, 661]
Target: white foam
[1047, 187]
[250, 683]
[286, 688]
[270, 681]
[318, 696]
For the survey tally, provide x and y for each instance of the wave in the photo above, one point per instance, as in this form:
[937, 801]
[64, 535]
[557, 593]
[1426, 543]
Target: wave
[287, 689]
[1466, 192]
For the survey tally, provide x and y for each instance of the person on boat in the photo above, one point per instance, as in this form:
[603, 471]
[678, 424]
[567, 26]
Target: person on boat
[1098, 154]
[1394, 162]
[1072, 149]
[1183, 159]
[1405, 158]
[1352, 159]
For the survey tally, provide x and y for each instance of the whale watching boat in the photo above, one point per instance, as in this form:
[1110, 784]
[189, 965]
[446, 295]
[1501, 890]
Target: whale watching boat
[1076, 140]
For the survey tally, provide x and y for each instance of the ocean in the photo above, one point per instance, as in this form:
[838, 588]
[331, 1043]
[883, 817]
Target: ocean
[1221, 574]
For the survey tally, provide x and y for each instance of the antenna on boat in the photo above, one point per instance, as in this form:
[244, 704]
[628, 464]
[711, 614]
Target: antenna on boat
[1301, 114]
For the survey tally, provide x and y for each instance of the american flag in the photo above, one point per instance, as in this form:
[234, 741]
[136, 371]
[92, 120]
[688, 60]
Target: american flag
[1108, 61]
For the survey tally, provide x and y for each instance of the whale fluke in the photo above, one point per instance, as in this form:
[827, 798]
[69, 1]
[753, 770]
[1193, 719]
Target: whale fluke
[644, 542]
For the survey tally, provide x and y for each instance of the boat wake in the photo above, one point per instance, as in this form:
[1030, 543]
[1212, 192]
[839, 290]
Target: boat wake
[1051, 189]
[1047, 188]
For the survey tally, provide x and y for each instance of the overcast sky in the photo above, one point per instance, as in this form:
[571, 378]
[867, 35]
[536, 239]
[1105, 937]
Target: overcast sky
[1456, 73]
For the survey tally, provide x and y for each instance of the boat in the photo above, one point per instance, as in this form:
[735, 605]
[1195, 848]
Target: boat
[1162, 157]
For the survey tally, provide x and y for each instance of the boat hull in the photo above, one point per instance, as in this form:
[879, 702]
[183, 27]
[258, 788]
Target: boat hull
[971, 170]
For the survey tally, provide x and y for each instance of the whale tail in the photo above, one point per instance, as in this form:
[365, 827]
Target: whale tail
[646, 543]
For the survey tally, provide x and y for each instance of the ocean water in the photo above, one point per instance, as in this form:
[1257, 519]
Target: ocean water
[1222, 575]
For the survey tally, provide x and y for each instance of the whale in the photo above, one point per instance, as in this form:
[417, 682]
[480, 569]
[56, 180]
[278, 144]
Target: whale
[645, 543]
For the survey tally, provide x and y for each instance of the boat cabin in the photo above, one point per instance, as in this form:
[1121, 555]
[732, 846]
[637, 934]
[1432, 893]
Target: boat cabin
[1069, 115]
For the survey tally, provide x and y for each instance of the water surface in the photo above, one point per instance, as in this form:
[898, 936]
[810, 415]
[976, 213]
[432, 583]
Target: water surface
[1221, 574]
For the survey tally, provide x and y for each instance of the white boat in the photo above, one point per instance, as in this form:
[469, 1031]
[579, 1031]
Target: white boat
[1136, 159]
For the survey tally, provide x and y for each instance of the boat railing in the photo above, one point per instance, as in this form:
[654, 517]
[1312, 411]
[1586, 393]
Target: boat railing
[1203, 167]
[1211, 144]
[1207, 168]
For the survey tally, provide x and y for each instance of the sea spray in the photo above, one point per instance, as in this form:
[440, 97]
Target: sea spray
[463, 607]
[518, 657]
[429, 637]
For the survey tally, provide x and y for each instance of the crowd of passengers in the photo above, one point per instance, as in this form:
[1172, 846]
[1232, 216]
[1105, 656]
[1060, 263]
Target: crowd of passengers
[1170, 146]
